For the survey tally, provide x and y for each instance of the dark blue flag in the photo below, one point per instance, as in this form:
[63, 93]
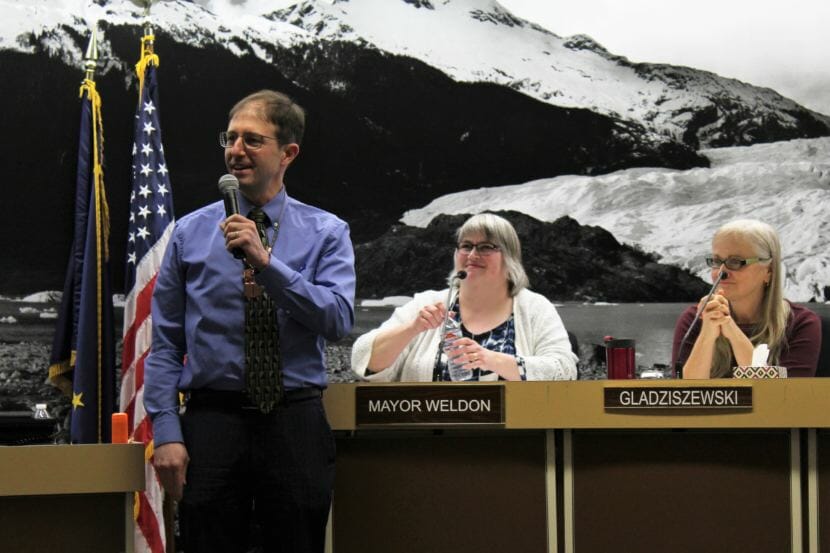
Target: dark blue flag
[83, 352]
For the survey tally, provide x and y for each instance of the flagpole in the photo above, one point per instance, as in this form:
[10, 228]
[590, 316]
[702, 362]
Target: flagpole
[63, 359]
[90, 65]
[146, 56]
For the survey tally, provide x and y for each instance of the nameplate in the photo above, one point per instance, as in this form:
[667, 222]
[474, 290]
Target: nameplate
[709, 397]
[461, 404]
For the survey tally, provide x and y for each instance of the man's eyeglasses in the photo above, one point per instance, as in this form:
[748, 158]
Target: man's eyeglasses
[483, 248]
[251, 140]
[733, 263]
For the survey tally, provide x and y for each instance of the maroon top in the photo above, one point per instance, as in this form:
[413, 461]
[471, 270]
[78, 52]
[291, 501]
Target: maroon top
[800, 355]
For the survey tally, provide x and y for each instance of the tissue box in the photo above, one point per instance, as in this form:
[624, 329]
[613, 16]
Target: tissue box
[759, 372]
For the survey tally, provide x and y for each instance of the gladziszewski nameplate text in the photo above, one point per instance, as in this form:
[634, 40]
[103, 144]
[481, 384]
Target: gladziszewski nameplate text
[709, 397]
[426, 405]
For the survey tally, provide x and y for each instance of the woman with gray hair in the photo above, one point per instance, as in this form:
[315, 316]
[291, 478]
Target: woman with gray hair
[509, 332]
[748, 309]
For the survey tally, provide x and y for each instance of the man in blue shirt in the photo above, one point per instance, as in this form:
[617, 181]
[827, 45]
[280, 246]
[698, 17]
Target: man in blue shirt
[224, 456]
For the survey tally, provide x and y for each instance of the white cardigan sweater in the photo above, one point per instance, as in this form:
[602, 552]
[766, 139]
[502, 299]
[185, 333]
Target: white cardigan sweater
[541, 340]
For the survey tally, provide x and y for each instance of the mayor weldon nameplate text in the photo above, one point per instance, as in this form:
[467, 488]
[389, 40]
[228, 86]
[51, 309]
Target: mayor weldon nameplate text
[429, 405]
[709, 397]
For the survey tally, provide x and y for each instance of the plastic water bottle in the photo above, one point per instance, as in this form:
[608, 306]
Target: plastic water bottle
[40, 411]
[452, 332]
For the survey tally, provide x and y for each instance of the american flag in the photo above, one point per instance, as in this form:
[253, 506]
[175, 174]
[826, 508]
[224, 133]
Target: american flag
[150, 226]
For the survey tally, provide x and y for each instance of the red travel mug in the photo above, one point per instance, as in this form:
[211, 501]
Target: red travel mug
[619, 357]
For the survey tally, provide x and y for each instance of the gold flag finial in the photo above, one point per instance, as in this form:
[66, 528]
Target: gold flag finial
[91, 56]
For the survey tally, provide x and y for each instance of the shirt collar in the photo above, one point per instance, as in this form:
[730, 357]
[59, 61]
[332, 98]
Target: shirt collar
[273, 208]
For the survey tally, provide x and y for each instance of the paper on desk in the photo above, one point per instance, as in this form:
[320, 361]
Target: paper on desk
[760, 355]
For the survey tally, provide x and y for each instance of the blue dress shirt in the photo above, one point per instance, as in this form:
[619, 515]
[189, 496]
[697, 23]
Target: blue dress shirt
[199, 309]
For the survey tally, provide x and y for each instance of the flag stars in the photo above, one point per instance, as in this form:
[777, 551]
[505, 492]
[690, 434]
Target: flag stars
[146, 149]
[132, 216]
[145, 170]
[143, 212]
[149, 107]
[149, 128]
[131, 258]
[144, 191]
[162, 190]
[131, 237]
[143, 233]
[135, 149]
[77, 400]
[160, 210]
[162, 169]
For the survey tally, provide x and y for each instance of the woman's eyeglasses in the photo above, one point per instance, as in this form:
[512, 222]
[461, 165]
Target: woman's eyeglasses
[251, 140]
[483, 248]
[733, 263]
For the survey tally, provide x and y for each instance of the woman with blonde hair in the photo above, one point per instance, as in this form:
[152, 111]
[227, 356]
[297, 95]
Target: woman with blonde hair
[747, 309]
[509, 332]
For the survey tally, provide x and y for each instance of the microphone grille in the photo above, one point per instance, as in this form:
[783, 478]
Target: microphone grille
[228, 182]
[461, 275]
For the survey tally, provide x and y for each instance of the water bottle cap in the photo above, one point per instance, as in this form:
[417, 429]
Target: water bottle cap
[40, 406]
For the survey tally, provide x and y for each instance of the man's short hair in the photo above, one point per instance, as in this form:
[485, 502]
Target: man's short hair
[279, 109]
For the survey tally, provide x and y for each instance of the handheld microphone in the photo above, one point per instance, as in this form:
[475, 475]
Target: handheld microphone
[229, 186]
[678, 369]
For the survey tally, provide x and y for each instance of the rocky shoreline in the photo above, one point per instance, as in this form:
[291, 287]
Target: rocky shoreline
[24, 368]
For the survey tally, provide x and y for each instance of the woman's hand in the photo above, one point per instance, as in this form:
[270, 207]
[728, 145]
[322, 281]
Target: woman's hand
[429, 317]
[472, 355]
[715, 314]
[389, 343]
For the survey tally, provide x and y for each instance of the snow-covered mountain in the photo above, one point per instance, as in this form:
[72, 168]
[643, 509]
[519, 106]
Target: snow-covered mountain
[408, 100]
[675, 213]
[469, 40]
[478, 40]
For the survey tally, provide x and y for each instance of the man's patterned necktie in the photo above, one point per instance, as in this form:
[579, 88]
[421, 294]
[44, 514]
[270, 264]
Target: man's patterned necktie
[263, 375]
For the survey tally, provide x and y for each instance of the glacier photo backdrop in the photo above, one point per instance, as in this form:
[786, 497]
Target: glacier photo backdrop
[414, 106]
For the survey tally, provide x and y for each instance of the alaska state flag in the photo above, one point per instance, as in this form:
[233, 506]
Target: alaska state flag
[83, 352]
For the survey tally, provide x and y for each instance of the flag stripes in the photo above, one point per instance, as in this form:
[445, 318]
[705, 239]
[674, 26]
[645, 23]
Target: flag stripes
[150, 227]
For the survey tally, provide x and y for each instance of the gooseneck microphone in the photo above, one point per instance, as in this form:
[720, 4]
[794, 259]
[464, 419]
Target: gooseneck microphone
[455, 282]
[229, 187]
[678, 369]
